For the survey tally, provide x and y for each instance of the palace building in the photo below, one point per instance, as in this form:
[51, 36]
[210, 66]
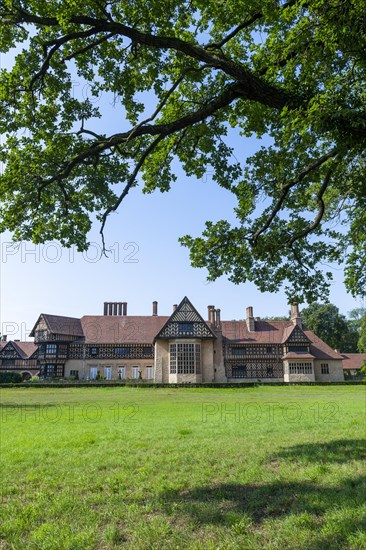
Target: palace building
[179, 348]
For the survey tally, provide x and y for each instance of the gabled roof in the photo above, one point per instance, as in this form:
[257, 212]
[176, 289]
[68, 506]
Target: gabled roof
[353, 360]
[109, 329]
[57, 324]
[293, 333]
[274, 332]
[25, 350]
[186, 313]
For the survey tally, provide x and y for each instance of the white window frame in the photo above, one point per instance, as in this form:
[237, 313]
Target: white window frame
[135, 373]
[122, 373]
[108, 373]
[185, 358]
[93, 371]
[149, 373]
[301, 368]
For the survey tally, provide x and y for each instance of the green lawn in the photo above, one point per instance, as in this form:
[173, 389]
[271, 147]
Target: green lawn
[249, 468]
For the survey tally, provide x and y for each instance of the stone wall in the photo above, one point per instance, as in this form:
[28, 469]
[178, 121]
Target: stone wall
[335, 370]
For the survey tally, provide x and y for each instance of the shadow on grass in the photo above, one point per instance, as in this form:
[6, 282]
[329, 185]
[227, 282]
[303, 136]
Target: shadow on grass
[340, 451]
[278, 500]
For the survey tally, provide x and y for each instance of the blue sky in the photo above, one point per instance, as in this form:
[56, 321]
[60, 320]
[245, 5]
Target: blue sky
[146, 261]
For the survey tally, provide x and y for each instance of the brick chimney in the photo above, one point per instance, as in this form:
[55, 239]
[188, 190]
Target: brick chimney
[4, 337]
[295, 315]
[175, 307]
[218, 317]
[211, 314]
[250, 319]
[115, 308]
[155, 308]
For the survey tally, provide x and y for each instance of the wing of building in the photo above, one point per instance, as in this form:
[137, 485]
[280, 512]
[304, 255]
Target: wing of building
[181, 347]
[19, 357]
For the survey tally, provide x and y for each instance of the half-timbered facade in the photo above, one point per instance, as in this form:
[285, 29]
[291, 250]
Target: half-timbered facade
[20, 357]
[181, 348]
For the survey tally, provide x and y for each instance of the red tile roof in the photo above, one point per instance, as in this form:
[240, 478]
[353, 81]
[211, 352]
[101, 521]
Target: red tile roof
[110, 329]
[274, 332]
[353, 360]
[58, 324]
[24, 349]
[299, 355]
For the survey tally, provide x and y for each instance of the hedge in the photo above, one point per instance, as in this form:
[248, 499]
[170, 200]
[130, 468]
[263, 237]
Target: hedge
[10, 377]
[104, 384]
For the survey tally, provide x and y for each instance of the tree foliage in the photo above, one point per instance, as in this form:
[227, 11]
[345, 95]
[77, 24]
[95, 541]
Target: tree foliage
[293, 72]
[362, 335]
[331, 326]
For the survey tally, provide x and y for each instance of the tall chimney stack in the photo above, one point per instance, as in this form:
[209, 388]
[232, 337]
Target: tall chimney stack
[4, 337]
[124, 308]
[218, 317]
[250, 319]
[175, 307]
[295, 315]
[155, 308]
[211, 314]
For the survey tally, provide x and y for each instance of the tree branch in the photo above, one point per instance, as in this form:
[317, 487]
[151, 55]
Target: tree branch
[319, 215]
[163, 130]
[88, 47]
[286, 188]
[252, 86]
[129, 184]
[56, 46]
[244, 25]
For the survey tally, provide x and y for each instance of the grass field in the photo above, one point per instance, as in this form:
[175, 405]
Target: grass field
[251, 468]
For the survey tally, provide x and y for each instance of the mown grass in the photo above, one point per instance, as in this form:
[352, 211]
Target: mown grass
[104, 468]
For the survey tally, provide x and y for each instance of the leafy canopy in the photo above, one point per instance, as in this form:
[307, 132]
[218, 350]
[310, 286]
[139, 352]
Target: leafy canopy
[335, 329]
[292, 71]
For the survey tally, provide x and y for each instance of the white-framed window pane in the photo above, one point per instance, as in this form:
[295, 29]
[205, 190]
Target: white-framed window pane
[135, 372]
[185, 358]
[108, 373]
[149, 373]
[301, 368]
[93, 373]
[121, 373]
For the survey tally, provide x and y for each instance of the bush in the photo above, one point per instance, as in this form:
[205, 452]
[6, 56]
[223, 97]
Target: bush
[35, 379]
[9, 377]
